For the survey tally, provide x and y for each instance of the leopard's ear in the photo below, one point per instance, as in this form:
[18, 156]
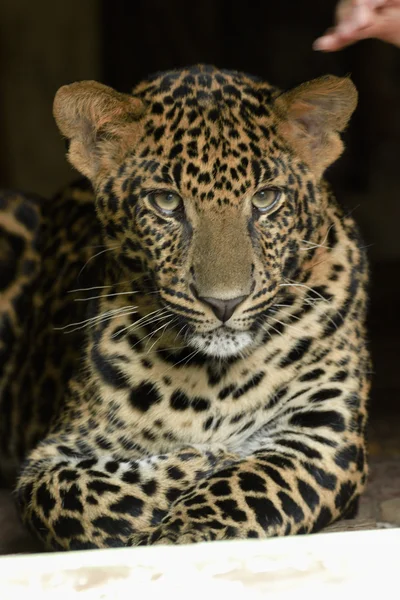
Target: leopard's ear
[98, 122]
[312, 115]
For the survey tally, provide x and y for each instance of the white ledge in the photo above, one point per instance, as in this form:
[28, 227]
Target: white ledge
[357, 564]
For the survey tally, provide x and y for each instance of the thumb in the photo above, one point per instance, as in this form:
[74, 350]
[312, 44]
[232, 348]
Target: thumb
[341, 36]
[353, 21]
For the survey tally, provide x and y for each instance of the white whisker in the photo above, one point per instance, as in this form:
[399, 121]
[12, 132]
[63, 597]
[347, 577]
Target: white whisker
[179, 332]
[157, 339]
[283, 305]
[105, 296]
[110, 313]
[273, 328]
[95, 287]
[187, 358]
[321, 245]
[289, 315]
[93, 321]
[303, 285]
[95, 256]
[102, 287]
[173, 348]
[142, 321]
[287, 325]
[152, 333]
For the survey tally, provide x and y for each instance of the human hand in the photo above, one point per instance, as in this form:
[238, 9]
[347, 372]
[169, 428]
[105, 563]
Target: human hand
[361, 19]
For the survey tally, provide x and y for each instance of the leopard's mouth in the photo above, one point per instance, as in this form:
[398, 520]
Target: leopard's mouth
[222, 342]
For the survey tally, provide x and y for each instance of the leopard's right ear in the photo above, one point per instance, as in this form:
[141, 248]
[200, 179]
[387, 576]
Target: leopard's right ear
[312, 116]
[99, 123]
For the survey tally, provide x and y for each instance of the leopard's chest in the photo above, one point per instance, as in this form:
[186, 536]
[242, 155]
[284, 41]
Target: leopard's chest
[161, 406]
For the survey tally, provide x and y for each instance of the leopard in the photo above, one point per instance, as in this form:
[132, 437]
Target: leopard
[183, 331]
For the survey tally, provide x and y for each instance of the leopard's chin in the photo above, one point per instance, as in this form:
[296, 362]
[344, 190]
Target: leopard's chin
[222, 342]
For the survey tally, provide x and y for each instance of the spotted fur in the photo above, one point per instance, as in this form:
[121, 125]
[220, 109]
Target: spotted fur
[215, 355]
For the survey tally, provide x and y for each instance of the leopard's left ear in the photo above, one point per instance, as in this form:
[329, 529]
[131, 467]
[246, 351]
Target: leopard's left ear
[100, 124]
[312, 115]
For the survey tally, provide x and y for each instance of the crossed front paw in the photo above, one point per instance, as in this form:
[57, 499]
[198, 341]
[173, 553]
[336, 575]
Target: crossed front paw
[177, 534]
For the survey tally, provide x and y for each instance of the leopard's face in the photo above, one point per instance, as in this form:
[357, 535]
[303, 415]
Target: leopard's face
[212, 200]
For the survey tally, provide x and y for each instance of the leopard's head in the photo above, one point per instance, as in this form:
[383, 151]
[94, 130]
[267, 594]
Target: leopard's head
[212, 180]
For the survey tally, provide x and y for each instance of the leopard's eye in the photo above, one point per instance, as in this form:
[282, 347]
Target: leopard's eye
[167, 202]
[265, 200]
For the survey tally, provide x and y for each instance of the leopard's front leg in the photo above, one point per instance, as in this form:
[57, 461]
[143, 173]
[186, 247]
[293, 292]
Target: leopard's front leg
[308, 471]
[72, 501]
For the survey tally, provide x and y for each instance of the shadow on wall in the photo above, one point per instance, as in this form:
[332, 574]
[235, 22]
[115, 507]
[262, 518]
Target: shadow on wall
[42, 46]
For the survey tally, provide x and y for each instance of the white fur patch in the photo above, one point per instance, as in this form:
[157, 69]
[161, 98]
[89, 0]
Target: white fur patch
[222, 342]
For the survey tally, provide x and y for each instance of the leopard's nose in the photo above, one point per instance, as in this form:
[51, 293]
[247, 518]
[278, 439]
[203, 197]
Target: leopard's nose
[222, 309]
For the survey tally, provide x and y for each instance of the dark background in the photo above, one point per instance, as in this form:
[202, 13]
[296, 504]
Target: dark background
[45, 44]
